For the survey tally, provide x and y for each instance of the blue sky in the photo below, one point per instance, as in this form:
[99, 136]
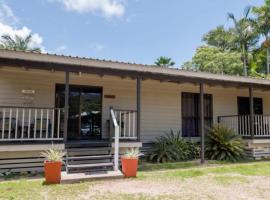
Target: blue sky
[126, 30]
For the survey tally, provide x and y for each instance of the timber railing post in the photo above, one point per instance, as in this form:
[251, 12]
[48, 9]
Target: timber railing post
[251, 112]
[66, 106]
[202, 121]
[139, 108]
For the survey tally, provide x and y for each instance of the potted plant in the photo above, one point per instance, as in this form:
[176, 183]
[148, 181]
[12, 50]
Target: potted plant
[52, 165]
[130, 162]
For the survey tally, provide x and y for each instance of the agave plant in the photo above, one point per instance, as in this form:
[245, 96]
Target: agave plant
[132, 153]
[222, 143]
[172, 147]
[53, 155]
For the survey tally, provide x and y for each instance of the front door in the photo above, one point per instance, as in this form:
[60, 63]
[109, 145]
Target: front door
[85, 107]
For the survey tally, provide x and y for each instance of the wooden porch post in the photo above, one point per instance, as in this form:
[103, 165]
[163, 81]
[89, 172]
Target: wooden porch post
[202, 121]
[66, 105]
[139, 108]
[251, 112]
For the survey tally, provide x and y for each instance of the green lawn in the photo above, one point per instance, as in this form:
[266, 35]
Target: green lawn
[157, 177]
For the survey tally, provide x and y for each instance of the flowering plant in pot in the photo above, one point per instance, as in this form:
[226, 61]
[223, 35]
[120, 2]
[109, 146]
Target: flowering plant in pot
[130, 162]
[52, 165]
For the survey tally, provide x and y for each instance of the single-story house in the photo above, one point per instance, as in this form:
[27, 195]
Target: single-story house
[83, 105]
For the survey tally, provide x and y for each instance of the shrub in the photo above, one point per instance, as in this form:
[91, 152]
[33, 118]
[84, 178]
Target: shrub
[222, 143]
[172, 147]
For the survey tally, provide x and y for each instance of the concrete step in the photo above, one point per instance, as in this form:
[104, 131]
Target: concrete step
[89, 149]
[78, 177]
[96, 165]
[98, 157]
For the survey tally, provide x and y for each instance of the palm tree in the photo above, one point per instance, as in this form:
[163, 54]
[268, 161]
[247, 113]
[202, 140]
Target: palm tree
[245, 36]
[263, 27]
[163, 61]
[18, 43]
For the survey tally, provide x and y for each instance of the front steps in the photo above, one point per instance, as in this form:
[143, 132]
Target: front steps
[88, 159]
[89, 162]
[258, 149]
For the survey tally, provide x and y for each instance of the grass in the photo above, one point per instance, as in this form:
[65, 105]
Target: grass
[193, 169]
[223, 173]
[35, 189]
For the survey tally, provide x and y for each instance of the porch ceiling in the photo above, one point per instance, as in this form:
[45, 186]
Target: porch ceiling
[102, 67]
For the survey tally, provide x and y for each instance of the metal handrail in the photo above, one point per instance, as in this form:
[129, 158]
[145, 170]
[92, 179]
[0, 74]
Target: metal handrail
[116, 140]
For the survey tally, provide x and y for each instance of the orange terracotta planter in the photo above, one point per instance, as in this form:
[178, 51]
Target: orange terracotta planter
[129, 167]
[52, 171]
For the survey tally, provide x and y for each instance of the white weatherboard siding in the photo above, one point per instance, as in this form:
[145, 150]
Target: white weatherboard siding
[160, 101]
[43, 82]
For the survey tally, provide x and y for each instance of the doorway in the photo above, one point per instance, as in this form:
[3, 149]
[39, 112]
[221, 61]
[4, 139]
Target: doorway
[85, 111]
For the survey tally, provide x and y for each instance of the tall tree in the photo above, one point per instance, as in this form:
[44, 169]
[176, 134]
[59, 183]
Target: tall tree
[262, 14]
[163, 61]
[245, 36]
[221, 38]
[18, 43]
[214, 60]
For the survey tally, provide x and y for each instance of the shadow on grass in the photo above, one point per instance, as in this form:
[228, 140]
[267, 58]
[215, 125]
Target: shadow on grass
[148, 166]
[18, 176]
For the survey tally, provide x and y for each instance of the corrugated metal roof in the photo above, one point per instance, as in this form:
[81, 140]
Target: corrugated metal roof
[127, 66]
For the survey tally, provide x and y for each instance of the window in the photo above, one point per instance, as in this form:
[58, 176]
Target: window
[191, 114]
[243, 106]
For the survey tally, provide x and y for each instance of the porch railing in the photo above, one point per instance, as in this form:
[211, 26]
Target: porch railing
[241, 124]
[127, 122]
[31, 123]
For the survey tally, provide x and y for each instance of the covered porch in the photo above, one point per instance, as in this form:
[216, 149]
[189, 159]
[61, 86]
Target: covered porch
[78, 117]
[134, 104]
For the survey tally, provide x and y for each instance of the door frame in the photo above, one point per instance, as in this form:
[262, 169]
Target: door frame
[80, 87]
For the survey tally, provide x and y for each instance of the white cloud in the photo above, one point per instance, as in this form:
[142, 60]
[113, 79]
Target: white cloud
[61, 49]
[36, 41]
[108, 8]
[6, 14]
[7, 27]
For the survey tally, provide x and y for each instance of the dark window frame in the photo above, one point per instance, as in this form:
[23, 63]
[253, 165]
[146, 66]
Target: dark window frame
[256, 100]
[82, 87]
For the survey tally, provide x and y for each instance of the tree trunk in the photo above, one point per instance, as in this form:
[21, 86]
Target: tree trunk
[244, 60]
[268, 60]
[267, 56]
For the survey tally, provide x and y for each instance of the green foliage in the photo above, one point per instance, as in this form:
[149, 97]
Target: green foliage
[18, 43]
[53, 155]
[258, 63]
[163, 61]
[214, 60]
[262, 14]
[241, 41]
[132, 153]
[172, 147]
[220, 38]
[189, 65]
[224, 144]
